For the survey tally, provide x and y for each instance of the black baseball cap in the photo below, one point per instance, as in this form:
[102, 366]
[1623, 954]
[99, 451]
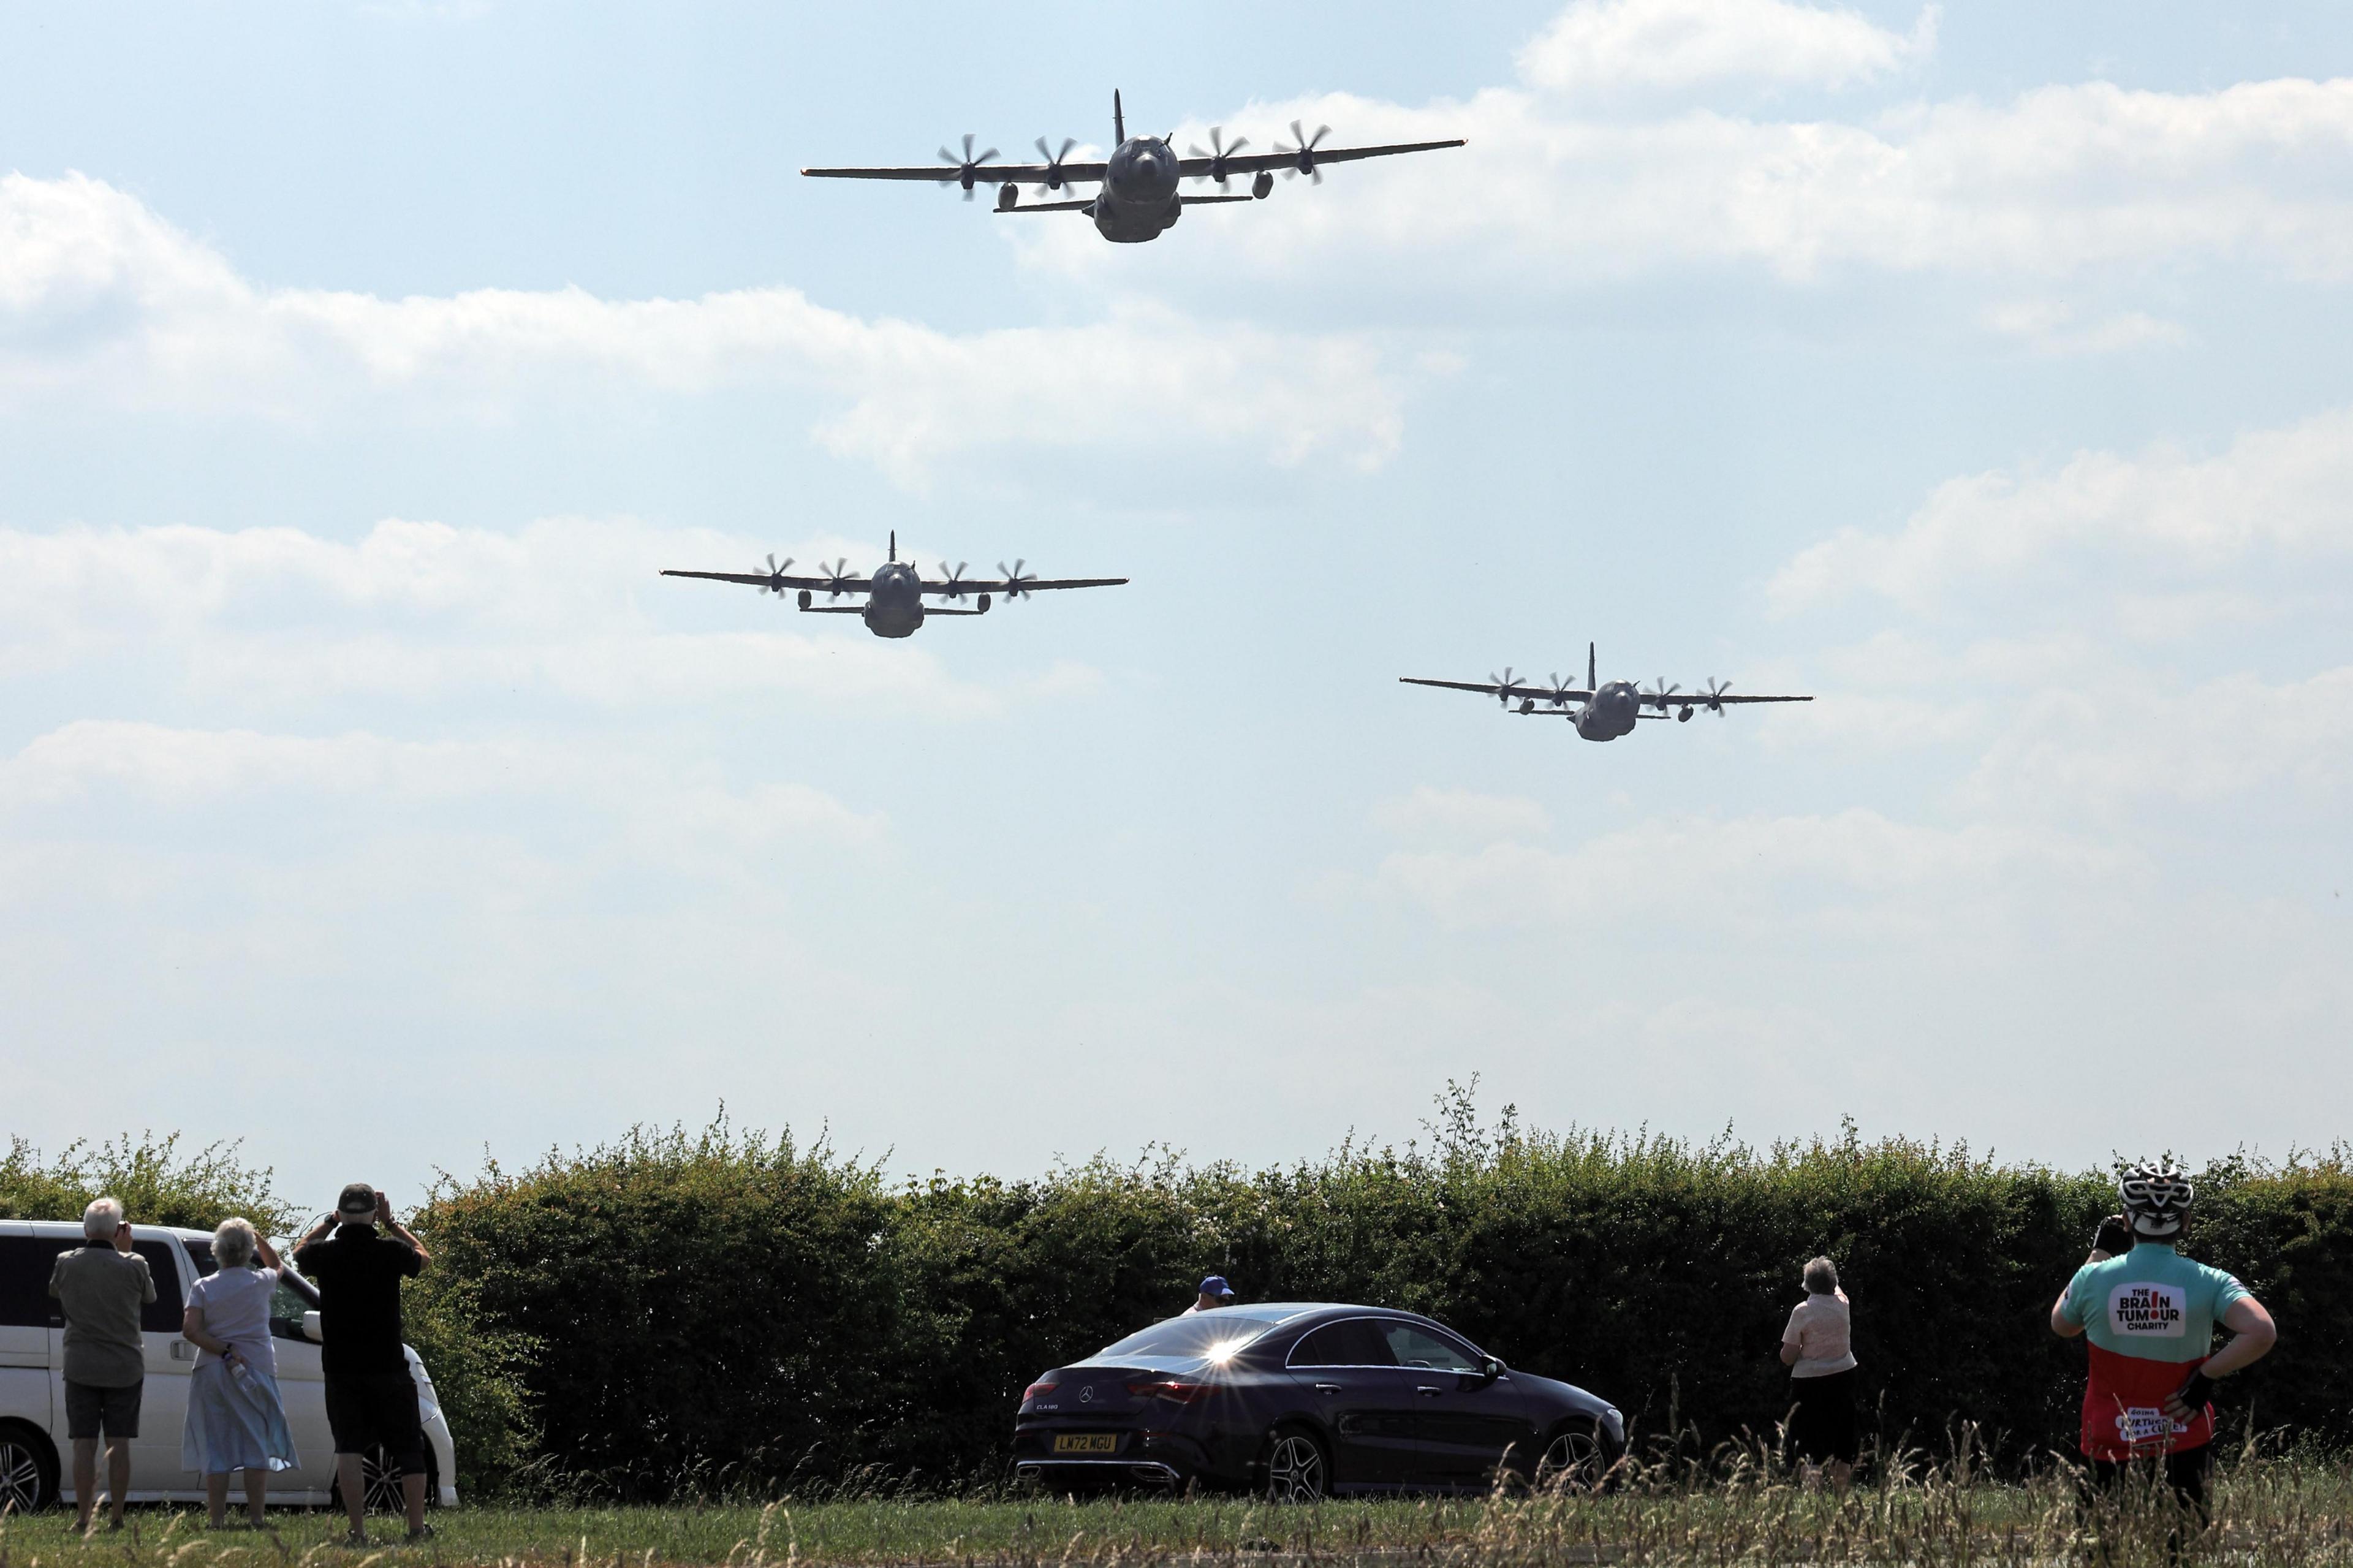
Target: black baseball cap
[358, 1202]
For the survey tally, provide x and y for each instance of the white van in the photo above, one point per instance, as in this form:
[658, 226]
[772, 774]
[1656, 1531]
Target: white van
[35, 1459]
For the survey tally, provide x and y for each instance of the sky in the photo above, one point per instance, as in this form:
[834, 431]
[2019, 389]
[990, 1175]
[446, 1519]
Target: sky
[367, 798]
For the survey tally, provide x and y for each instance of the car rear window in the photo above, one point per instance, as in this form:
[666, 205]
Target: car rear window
[164, 1314]
[1353, 1342]
[1194, 1336]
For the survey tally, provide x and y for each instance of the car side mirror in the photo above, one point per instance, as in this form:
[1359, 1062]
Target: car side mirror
[1490, 1368]
[311, 1328]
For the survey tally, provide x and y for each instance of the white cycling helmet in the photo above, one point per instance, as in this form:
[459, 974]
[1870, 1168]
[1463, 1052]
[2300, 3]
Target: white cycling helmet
[2157, 1200]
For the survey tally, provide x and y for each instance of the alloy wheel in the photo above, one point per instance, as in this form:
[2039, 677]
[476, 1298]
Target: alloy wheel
[380, 1483]
[1572, 1462]
[20, 1476]
[1294, 1470]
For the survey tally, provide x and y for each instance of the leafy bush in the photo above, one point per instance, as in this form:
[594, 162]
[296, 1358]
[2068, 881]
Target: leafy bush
[722, 1311]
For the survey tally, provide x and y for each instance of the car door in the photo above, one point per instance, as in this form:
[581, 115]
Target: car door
[163, 1410]
[1366, 1402]
[302, 1387]
[24, 1326]
[1465, 1421]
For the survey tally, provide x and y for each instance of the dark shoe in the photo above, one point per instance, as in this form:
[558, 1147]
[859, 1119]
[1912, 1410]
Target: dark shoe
[422, 1533]
[357, 1540]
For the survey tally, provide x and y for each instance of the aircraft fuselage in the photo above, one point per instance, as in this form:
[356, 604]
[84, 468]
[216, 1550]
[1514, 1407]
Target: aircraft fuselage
[894, 604]
[1610, 712]
[1138, 200]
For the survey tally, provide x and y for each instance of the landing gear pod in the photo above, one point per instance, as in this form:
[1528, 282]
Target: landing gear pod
[983, 604]
[1006, 196]
[804, 604]
[1263, 186]
[1684, 716]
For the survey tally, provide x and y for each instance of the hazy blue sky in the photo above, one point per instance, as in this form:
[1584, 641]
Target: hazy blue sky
[365, 794]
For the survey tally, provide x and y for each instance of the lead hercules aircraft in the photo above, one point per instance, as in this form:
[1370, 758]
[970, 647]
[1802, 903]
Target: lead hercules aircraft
[1603, 710]
[894, 604]
[1139, 199]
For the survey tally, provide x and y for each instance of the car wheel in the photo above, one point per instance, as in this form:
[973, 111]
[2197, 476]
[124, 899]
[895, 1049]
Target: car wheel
[380, 1484]
[1576, 1460]
[1294, 1469]
[28, 1471]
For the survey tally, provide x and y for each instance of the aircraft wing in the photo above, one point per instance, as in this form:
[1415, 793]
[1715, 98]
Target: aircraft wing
[984, 175]
[1252, 162]
[1028, 584]
[1727, 699]
[1510, 693]
[779, 581]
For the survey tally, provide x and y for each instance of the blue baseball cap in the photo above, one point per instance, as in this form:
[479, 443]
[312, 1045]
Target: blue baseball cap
[1215, 1285]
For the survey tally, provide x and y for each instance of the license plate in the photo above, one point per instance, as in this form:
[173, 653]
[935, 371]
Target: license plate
[1086, 1443]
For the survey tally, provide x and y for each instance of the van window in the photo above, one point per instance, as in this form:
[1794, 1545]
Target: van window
[200, 1253]
[164, 1314]
[25, 1265]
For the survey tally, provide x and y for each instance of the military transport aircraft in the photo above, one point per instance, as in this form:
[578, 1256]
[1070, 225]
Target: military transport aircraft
[1139, 199]
[894, 594]
[1604, 710]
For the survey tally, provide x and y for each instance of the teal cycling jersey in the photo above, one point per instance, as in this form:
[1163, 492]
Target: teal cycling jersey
[2150, 1314]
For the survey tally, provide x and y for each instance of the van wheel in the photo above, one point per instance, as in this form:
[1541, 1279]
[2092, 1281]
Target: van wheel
[380, 1483]
[1294, 1469]
[28, 1469]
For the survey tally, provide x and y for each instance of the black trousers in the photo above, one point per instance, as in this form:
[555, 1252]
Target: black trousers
[2185, 1473]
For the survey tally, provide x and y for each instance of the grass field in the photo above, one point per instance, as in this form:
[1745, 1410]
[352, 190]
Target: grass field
[2283, 1513]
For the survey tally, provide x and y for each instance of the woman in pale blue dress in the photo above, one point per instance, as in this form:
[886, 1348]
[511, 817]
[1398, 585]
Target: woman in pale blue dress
[236, 1420]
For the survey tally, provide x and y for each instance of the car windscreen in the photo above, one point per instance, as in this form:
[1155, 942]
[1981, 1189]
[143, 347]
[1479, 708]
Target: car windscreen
[1225, 1330]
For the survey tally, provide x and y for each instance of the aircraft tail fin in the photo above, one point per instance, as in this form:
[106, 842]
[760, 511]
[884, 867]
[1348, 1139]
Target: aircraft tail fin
[894, 544]
[1588, 669]
[1118, 121]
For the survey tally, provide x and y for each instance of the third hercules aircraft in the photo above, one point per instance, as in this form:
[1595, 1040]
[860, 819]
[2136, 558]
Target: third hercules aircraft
[1604, 709]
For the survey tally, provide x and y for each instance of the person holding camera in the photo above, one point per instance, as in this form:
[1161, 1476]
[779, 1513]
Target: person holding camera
[2150, 1314]
[371, 1397]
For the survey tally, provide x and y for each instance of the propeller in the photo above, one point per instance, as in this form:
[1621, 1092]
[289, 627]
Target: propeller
[1304, 153]
[1716, 689]
[1014, 579]
[1503, 685]
[1218, 153]
[776, 574]
[1054, 180]
[967, 165]
[1560, 690]
[1657, 696]
[955, 578]
[838, 578]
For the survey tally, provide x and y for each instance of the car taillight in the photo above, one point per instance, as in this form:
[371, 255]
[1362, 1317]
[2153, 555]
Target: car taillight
[1038, 1390]
[1169, 1388]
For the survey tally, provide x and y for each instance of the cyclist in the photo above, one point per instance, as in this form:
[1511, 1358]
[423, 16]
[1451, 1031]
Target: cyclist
[2151, 1315]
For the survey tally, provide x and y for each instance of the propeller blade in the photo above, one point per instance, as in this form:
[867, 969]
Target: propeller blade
[775, 570]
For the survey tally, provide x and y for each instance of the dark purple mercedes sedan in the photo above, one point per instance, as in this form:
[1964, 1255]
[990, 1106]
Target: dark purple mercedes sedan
[1297, 1400]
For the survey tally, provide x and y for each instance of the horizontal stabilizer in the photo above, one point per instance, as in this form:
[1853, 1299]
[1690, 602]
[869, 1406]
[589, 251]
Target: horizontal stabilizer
[1049, 208]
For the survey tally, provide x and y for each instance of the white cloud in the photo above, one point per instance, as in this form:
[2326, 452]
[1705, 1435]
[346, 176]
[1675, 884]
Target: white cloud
[2054, 326]
[567, 605]
[2057, 184]
[2165, 512]
[101, 299]
[1616, 44]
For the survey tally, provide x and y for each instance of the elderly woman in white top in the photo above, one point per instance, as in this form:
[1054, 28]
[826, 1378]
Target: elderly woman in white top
[1818, 1348]
[236, 1420]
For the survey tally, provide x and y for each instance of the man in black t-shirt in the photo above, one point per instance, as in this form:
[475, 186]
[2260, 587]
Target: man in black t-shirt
[371, 1397]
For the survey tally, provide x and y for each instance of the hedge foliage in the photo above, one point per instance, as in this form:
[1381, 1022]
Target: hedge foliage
[693, 1312]
[718, 1309]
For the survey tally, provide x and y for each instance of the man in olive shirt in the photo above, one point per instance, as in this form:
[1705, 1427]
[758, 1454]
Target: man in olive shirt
[101, 1286]
[371, 1397]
